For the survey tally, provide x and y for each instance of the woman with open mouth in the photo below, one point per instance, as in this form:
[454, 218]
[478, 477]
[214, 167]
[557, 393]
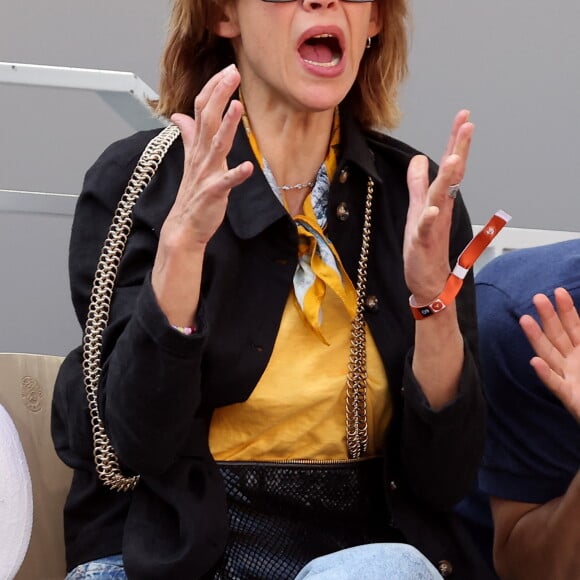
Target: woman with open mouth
[278, 363]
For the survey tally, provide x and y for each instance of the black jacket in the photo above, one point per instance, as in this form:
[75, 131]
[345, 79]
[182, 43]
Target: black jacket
[159, 387]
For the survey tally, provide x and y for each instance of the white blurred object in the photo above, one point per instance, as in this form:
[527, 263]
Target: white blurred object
[26, 388]
[15, 499]
[517, 238]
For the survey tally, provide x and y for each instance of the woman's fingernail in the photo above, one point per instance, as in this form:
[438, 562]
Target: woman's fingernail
[229, 74]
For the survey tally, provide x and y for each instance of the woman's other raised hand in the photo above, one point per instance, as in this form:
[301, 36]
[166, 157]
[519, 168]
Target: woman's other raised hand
[426, 245]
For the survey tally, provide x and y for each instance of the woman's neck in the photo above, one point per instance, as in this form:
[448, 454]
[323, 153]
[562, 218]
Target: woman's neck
[295, 144]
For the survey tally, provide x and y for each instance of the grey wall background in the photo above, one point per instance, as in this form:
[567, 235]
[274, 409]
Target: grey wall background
[514, 65]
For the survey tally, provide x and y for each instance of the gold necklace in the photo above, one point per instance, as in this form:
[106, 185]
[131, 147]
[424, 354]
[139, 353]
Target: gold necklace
[307, 185]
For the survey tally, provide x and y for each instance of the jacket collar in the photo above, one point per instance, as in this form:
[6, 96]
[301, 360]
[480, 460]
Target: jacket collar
[253, 207]
[355, 147]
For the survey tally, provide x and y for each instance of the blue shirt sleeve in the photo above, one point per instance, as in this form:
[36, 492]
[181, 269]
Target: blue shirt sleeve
[532, 448]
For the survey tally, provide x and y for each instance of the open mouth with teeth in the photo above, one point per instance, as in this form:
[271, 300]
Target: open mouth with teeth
[321, 50]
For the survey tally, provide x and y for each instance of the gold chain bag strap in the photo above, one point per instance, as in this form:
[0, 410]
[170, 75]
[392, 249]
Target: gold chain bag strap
[357, 434]
[106, 461]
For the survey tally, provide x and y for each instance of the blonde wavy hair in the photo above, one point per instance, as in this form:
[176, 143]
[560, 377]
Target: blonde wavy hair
[194, 53]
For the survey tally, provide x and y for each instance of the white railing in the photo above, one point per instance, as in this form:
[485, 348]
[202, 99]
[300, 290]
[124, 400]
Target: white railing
[124, 92]
[37, 202]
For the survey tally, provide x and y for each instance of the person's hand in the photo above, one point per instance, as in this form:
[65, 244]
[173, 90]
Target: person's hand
[426, 244]
[202, 198]
[557, 346]
[201, 201]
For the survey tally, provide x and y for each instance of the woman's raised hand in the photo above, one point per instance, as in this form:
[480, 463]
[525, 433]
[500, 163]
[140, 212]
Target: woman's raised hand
[556, 343]
[202, 198]
[426, 244]
[201, 201]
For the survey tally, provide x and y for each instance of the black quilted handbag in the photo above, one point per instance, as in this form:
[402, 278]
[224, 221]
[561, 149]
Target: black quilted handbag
[282, 515]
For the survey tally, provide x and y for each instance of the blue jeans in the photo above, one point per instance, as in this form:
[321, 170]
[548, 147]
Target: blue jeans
[109, 568]
[371, 562]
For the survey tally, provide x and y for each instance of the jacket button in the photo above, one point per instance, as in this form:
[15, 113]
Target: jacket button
[342, 211]
[393, 485]
[445, 568]
[343, 175]
[372, 303]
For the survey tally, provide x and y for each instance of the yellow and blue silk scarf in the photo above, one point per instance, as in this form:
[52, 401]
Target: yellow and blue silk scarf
[319, 265]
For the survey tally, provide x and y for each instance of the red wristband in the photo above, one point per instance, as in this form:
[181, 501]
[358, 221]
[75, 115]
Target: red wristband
[466, 259]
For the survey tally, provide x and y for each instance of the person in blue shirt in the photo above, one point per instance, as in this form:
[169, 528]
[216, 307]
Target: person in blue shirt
[530, 358]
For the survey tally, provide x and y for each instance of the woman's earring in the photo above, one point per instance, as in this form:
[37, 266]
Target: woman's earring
[369, 42]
